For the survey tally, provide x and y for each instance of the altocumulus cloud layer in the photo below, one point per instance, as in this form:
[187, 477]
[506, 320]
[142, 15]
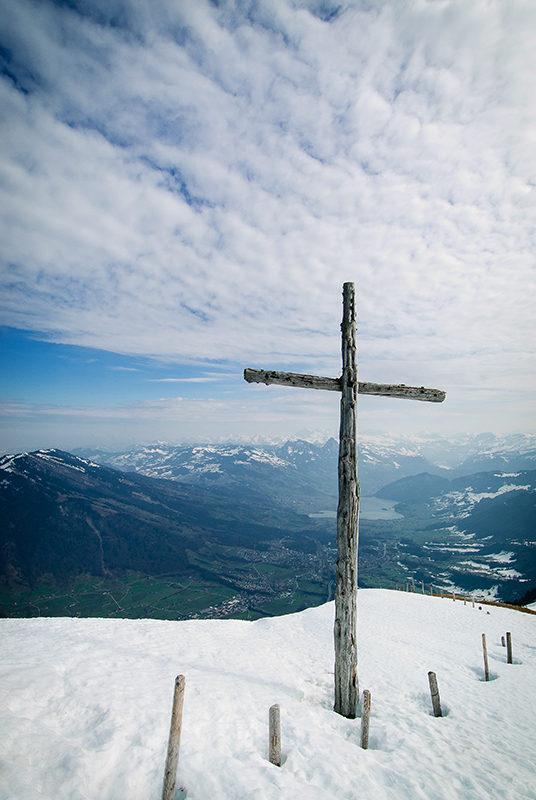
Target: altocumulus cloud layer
[196, 180]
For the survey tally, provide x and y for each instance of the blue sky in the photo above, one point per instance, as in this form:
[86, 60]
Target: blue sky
[45, 371]
[184, 188]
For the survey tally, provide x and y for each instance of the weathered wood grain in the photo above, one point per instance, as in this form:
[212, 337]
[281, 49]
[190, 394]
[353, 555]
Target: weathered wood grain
[300, 381]
[434, 691]
[268, 376]
[172, 759]
[274, 744]
[403, 392]
[485, 653]
[365, 719]
[345, 629]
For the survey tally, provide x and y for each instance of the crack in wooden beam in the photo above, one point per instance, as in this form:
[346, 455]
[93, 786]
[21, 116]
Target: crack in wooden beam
[402, 391]
[334, 385]
[268, 376]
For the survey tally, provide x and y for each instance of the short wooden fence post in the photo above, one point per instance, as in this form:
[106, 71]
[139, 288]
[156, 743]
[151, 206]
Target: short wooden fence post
[365, 719]
[172, 759]
[422, 585]
[509, 647]
[274, 748]
[442, 595]
[434, 691]
[485, 650]
[503, 642]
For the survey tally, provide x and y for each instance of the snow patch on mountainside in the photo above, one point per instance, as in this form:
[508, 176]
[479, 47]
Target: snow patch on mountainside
[383, 458]
[467, 499]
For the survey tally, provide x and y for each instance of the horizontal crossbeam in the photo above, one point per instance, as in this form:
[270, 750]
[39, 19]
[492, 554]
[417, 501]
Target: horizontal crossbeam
[269, 376]
[334, 385]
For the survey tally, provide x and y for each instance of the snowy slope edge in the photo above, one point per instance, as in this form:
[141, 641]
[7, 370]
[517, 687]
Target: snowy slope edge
[85, 705]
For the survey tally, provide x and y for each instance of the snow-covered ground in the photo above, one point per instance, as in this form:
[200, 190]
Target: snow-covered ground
[85, 706]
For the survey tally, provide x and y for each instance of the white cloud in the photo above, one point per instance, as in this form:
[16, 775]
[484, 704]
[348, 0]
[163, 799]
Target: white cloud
[272, 411]
[197, 181]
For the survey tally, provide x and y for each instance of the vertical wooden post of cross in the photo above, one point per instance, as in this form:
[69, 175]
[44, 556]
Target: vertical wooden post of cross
[345, 629]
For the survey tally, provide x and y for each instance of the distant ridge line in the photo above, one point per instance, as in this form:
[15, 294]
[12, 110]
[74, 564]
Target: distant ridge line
[524, 609]
[489, 603]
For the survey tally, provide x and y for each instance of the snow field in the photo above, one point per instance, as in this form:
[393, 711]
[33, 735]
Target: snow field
[85, 706]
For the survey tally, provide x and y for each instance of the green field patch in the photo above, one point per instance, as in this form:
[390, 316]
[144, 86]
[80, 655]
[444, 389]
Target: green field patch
[85, 583]
[313, 588]
[249, 615]
[197, 604]
[192, 600]
[221, 551]
[166, 614]
[290, 605]
[136, 612]
[158, 593]
[309, 600]
[133, 598]
[23, 610]
[282, 605]
[56, 607]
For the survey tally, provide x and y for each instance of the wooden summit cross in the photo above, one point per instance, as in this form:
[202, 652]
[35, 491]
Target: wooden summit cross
[345, 629]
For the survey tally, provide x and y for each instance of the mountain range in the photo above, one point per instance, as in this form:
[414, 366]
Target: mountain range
[311, 466]
[66, 520]
[219, 529]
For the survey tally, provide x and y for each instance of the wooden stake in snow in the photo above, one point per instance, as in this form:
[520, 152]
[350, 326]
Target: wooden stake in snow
[345, 628]
[503, 642]
[509, 647]
[485, 650]
[422, 584]
[172, 760]
[274, 746]
[434, 691]
[365, 719]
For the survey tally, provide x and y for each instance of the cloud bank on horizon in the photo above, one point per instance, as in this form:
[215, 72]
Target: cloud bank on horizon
[193, 182]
